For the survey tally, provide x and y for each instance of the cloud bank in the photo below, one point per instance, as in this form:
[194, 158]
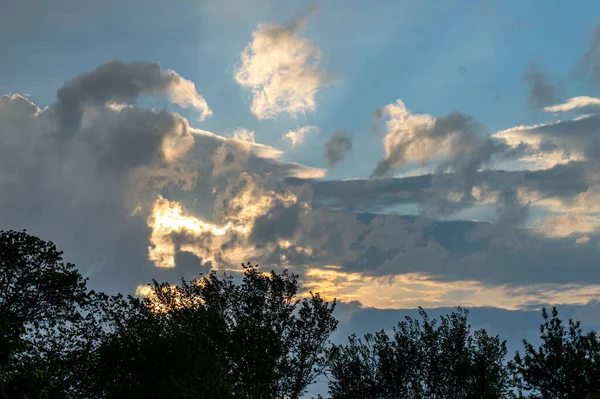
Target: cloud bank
[139, 193]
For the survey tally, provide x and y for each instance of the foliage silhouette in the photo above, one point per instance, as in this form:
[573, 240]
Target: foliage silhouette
[218, 339]
[422, 359]
[255, 338]
[565, 365]
[38, 293]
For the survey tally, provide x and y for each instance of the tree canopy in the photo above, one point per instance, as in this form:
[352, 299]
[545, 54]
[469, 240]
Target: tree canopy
[253, 336]
[38, 294]
[421, 359]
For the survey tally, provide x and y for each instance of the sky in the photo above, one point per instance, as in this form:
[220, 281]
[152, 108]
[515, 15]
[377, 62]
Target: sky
[394, 154]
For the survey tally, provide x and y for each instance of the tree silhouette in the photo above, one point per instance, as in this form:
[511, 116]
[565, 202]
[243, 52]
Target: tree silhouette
[214, 338]
[38, 292]
[252, 338]
[565, 365]
[272, 343]
[422, 359]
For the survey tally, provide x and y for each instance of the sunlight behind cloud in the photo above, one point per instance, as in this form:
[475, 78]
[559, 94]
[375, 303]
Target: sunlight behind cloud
[168, 218]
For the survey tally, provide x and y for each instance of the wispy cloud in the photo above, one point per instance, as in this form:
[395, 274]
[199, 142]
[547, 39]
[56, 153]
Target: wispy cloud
[297, 136]
[579, 104]
[242, 134]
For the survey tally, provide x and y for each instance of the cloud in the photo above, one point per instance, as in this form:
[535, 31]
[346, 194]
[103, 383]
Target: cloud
[336, 148]
[283, 70]
[579, 104]
[123, 82]
[134, 193]
[571, 222]
[92, 194]
[131, 188]
[561, 184]
[174, 232]
[563, 189]
[582, 240]
[558, 142]
[454, 143]
[541, 93]
[412, 290]
[420, 138]
[242, 134]
[297, 136]
[387, 245]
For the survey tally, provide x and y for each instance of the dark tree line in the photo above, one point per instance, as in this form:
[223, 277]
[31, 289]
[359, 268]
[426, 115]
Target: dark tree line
[214, 337]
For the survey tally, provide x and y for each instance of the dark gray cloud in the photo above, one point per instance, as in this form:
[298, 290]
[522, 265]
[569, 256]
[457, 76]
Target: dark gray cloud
[541, 92]
[366, 194]
[387, 245]
[563, 182]
[121, 82]
[511, 211]
[336, 148]
[280, 223]
[91, 196]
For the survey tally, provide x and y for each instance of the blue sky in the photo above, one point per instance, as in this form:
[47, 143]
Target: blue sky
[468, 192]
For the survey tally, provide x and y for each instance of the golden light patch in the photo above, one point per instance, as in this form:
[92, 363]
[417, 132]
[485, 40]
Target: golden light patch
[168, 217]
[414, 289]
[143, 291]
[179, 302]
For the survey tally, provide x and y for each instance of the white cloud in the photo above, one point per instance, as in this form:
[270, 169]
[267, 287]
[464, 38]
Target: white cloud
[454, 142]
[297, 136]
[283, 70]
[575, 104]
[183, 93]
[242, 134]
